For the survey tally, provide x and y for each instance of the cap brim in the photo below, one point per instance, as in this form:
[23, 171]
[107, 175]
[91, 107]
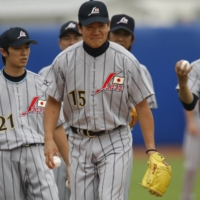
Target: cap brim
[67, 30]
[91, 20]
[121, 27]
[21, 42]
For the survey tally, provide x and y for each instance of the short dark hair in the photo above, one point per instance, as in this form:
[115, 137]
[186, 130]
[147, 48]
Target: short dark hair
[2, 57]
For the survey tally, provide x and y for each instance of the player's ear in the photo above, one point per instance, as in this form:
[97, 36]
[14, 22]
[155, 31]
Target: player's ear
[80, 28]
[59, 43]
[3, 52]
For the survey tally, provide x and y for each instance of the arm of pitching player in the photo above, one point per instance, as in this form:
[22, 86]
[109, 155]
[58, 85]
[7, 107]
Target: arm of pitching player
[191, 123]
[51, 114]
[146, 121]
[185, 94]
[61, 141]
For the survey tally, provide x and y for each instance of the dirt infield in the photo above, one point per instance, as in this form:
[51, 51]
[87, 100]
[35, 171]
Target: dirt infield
[172, 151]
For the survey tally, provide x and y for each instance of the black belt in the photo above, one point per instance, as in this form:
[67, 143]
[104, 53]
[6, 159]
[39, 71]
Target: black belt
[33, 144]
[91, 133]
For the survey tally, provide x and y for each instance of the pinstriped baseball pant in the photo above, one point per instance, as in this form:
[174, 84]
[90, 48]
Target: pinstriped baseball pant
[60, 174]
[99, 165]
[25, 175]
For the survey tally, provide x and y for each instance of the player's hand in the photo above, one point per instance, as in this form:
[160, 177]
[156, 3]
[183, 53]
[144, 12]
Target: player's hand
[68, 174]
[50, 149]
[192, 128]
[182, 72]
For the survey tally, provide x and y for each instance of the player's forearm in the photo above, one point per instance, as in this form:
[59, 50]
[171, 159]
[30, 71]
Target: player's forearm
[185, 94]
[62, 143]
[51, 114]
[146, 122]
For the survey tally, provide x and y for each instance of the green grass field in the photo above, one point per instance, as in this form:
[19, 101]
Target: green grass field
[137, 192]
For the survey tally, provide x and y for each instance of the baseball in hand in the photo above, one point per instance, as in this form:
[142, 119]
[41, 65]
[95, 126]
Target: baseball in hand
[57, 161]
[185, 64]
[67, 184]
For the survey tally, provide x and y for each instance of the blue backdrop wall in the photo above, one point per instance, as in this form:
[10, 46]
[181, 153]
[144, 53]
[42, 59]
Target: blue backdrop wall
[157, 48]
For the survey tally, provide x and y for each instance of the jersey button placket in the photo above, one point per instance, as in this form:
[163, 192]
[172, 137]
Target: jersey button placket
[93, 104]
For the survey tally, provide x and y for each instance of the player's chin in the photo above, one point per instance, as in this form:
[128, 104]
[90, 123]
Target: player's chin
[22, 64]
[96, 43]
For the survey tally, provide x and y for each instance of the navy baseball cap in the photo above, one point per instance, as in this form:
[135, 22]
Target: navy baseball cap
[69, 26]
[14, 37]
[122, 21]
[93, 11]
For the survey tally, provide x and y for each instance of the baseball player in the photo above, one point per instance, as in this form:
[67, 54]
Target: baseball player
[23, 172]
[97, 81]
[189, 87]
[122, 32]
[68, 36]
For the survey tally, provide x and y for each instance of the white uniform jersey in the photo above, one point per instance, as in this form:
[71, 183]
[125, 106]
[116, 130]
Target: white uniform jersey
[21, 111]
[194, 78]
[43, 72]
[152, 99]
[97, 92]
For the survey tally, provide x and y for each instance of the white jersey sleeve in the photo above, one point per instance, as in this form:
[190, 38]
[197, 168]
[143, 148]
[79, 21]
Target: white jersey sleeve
[44, 72]
[97, 92]
[152, 99]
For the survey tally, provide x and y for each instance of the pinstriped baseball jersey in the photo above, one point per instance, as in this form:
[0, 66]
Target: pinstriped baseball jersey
[194, 78]
[21, 111]
[97, 92]
[43, 72]
[152, 99]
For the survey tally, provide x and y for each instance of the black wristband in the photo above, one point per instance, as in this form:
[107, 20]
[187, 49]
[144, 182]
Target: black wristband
[150, 150]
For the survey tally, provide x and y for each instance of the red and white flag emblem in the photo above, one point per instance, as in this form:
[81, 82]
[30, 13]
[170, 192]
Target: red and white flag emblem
[41, 103]
[118, 80]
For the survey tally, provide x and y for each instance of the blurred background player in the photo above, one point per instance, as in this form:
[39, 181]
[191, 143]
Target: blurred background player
[188, 88]
[191, 149]
[68, 36]
[122, 32]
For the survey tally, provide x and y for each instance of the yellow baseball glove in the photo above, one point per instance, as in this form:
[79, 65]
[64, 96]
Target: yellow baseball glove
[133, 114]
[157, 176]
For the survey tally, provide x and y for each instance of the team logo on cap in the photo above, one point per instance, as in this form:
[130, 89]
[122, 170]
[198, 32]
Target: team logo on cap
[71, 25]
[22, 34]
[112, 83]
[123, 20]
[95, 10]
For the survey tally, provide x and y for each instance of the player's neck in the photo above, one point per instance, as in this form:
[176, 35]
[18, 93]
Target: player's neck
[98, 51]
[14, 78]
[14, 71]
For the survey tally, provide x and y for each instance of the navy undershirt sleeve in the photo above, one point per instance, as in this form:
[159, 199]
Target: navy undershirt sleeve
[192, 104]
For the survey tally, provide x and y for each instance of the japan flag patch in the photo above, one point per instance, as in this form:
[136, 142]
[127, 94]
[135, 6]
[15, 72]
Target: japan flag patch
[118, 80]
[41, 103]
